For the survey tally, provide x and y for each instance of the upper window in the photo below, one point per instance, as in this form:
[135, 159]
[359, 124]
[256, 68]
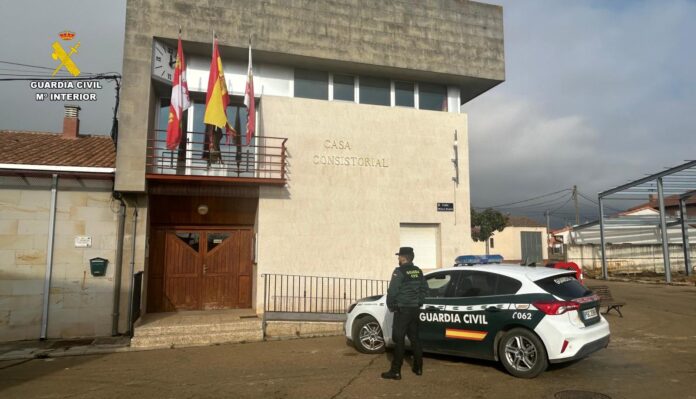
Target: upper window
[311, 84]
[432, 97]
[343, 87]
[403, 94]
[486, 284]
[375, 91]
[439, 283]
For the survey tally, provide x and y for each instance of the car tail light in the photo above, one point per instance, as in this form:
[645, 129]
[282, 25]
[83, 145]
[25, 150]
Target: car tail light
[565, 346]
[557, 307]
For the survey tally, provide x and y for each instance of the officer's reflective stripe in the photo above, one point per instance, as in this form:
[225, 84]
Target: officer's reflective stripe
[465, 334]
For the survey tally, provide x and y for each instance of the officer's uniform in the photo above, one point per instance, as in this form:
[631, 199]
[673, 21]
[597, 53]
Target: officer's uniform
[405, 296]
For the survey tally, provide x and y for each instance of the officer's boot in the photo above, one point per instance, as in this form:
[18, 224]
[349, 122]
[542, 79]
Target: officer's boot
[417, 368]
[391, 375]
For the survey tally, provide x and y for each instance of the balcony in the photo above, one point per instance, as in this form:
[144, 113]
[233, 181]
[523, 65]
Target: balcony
[201, 158]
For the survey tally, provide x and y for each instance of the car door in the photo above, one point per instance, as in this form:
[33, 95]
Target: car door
[432, 325]
[480, 302]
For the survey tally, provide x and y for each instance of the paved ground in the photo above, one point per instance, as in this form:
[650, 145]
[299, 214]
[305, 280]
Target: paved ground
[652, 355]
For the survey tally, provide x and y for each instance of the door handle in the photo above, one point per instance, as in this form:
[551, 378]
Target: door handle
[205, 269]
[493, 309]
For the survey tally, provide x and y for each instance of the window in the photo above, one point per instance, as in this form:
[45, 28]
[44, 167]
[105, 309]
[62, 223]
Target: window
[375, 91]
[311, 84]
[486, 284]
[491, 243]
[564, 286]
[438, 284]
[215, 239]
[403, 94]
[191, 239]
[344, 87]
[432, 97]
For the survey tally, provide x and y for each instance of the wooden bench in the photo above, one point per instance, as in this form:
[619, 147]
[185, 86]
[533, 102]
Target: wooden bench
[605, 299]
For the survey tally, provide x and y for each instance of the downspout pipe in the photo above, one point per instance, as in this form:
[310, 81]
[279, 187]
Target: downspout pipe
[49, 256]
[132, 271]
[115, 314]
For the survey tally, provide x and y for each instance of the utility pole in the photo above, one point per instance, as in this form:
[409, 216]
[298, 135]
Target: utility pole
[577, 210]
[548, 225]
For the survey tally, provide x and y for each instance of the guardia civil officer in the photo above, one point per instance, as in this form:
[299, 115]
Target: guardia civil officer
[405, 296]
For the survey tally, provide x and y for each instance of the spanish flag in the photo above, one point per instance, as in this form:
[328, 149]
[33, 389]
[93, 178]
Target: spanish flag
[217, 98]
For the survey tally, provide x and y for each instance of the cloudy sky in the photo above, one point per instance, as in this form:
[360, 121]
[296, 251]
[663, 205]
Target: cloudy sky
[597, 92]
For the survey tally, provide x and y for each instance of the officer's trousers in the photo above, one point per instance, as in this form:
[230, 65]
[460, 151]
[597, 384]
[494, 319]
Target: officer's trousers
[406, 323]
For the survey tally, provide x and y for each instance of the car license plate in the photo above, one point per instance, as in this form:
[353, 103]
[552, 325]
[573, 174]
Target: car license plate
[590, 313]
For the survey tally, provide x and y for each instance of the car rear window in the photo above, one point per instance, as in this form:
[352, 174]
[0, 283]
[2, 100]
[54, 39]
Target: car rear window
[564, 286]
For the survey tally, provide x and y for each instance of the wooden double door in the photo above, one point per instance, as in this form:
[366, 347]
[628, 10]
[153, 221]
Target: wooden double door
[200, 269]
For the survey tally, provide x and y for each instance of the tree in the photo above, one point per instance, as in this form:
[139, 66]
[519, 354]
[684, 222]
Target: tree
[484, 224]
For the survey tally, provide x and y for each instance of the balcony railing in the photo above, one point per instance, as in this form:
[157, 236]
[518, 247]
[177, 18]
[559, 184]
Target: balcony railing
[263, 160]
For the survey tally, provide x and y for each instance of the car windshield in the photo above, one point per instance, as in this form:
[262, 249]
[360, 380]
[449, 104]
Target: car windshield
[564, 286]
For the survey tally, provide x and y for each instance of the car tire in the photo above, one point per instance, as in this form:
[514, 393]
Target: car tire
[522, 353]
[368, 336]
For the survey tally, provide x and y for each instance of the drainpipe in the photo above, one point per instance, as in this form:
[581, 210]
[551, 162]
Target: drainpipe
[115, 314]
[132, 270]
[49, 256]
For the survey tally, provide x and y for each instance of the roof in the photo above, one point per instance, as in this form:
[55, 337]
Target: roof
[671, 201]
[42, 148]
[523, 221]
[561, 230]
[512, 270]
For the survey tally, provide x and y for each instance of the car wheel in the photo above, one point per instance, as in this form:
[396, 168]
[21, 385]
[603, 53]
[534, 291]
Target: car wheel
[522, 353]
[367, 335]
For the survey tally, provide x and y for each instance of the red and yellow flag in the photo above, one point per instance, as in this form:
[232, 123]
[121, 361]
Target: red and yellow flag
[217, 98]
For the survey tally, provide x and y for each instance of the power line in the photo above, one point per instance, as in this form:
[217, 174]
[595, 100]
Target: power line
[25, 65]
[37, 67]
[564, 204]
[529, 199]
[597, 203]
[547, 203]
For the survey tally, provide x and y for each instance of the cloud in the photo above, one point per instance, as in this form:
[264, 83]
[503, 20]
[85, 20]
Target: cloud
[596, 94]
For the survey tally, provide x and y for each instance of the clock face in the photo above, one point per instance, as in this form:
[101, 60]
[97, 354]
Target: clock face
[163, 61]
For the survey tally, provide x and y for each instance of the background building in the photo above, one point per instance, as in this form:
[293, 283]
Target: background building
[522, 241]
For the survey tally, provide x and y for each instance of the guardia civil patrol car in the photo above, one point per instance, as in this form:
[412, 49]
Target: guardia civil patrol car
[525, 317]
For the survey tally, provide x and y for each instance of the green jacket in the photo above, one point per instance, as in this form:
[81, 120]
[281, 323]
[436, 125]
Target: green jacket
[407, 287]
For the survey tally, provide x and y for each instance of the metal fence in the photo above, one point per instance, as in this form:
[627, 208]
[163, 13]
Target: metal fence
[314, 298]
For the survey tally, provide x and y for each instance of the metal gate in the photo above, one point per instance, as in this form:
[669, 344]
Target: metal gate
[531, 247]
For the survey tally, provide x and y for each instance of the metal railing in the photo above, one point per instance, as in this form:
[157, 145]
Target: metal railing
[314, 298]
[202, 155]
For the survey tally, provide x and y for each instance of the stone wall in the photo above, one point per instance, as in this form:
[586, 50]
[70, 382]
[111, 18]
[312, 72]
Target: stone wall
[80, 304]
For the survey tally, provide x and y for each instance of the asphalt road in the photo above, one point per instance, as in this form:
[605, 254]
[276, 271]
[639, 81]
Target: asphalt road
[652, 355]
